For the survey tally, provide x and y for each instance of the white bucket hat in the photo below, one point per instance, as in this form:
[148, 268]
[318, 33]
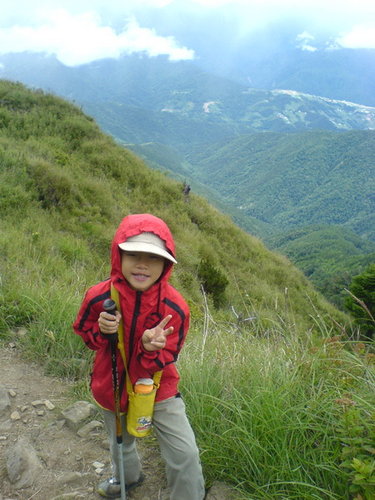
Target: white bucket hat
[147, 243]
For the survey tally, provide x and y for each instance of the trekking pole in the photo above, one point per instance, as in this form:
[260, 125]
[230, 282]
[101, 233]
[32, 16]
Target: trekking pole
[110, 307]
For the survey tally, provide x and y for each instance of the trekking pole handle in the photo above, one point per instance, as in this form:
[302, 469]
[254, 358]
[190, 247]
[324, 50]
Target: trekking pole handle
[109, 306]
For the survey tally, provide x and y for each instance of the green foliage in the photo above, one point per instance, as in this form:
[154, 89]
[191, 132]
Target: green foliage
[361, 301]
[357, 432]
[12, 197]
[53, 185]
[213, 281]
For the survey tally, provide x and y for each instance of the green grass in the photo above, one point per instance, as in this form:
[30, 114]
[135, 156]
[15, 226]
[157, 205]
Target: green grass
[265, 408]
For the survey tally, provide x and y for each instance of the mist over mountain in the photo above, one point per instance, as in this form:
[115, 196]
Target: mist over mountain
[296, 53]
[284, 56]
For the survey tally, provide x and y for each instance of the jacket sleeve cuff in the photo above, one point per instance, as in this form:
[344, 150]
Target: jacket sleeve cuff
[99, 338]
[147, 354]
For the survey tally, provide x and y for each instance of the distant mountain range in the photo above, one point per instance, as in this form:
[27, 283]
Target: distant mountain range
[292, 53]
[152, 100]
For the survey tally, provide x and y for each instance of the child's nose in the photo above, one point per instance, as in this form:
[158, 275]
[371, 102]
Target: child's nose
[142, 259]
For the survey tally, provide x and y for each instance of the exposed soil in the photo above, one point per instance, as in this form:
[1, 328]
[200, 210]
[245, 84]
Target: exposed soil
[68, 461]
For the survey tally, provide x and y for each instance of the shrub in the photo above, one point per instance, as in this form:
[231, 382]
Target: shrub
[361, 302]
[12, 198]
[357, 431]
[54, 186]
[213, 281]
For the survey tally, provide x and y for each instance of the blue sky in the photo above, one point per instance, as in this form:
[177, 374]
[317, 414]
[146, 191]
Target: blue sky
[81, 31]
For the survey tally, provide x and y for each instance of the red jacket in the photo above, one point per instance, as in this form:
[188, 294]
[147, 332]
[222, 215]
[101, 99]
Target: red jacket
[140, 310]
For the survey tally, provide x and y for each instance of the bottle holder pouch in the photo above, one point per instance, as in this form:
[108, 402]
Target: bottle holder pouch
[140, 412]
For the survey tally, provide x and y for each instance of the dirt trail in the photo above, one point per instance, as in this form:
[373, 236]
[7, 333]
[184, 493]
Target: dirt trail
[68, 470]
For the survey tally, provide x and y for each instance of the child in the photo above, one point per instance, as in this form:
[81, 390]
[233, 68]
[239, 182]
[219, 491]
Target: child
[155, 321]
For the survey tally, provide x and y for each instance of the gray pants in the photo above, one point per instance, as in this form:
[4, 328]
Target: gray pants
[177, 445]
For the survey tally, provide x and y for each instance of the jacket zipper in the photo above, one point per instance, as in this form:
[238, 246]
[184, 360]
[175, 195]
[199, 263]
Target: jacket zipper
[137, 308]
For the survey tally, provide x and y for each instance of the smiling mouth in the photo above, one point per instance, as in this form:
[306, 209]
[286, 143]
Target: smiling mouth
[140, 277]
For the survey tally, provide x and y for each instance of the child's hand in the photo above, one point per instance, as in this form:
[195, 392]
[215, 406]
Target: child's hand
[156, 338]
[108, 323]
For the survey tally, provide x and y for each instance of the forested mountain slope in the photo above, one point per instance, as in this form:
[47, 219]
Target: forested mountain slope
[291, 180]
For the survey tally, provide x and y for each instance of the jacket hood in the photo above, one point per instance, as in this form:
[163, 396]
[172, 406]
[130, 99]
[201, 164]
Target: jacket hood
[133, 225]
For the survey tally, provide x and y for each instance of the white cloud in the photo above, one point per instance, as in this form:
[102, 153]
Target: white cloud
[308, 48]
[360, 36]
[305, 36]
[78, 39]
[304, 41]
[137, 39]
[79, 31]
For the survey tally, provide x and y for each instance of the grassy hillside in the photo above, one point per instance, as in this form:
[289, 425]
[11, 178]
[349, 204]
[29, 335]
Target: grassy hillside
[64, 188]
[282, 404]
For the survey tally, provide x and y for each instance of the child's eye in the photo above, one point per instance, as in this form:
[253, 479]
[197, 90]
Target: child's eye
[129, 254]
[157, 257]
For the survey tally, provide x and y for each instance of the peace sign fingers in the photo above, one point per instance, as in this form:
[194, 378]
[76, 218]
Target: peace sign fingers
[155, 338]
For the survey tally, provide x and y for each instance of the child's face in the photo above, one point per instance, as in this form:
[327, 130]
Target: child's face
[141, 270]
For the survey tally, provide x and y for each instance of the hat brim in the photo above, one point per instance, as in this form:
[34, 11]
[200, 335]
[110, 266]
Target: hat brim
[138, 246]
